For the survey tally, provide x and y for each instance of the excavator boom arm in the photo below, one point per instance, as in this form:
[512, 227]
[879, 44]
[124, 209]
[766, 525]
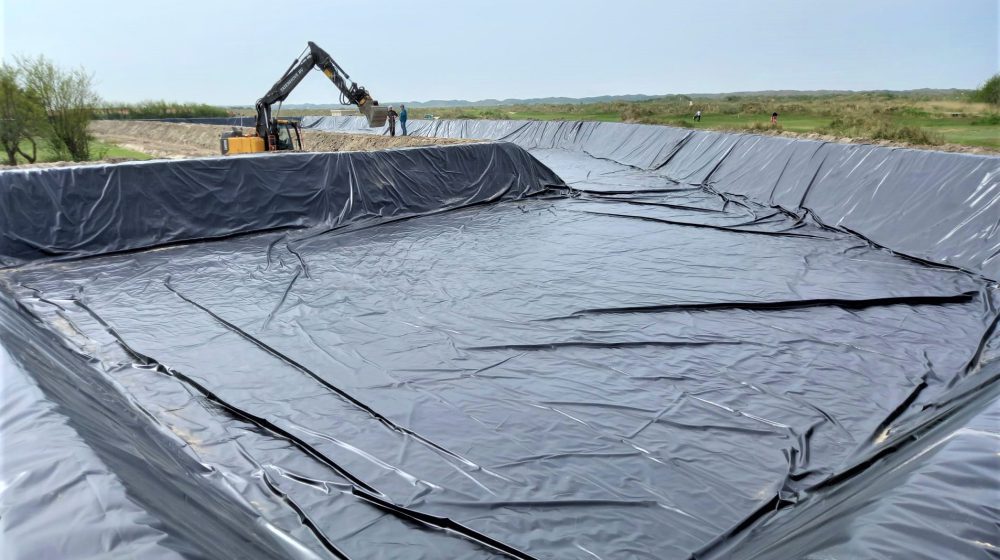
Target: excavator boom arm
[317, 58]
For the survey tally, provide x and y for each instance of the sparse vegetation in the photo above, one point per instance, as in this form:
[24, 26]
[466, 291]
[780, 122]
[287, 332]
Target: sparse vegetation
[992, 119]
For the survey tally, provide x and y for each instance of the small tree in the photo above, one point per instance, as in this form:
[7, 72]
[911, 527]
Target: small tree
[21, 119]
[68, 100]
[989, 92]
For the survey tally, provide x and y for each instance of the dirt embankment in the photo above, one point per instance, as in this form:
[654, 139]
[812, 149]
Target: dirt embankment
[178, 140]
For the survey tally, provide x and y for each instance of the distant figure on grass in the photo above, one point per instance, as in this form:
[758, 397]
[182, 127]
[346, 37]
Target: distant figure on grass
[392, 114]
[402, 118]
[774, 119]
[697, 115]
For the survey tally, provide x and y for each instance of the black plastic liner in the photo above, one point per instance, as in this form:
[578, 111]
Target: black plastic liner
[646, 365]
[90, 210]
[938, 206]
[44, 458]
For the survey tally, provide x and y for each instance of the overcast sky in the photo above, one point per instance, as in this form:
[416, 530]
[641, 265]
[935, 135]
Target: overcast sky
[229, 52]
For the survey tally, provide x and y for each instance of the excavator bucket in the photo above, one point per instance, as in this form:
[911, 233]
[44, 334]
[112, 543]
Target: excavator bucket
[376, 114]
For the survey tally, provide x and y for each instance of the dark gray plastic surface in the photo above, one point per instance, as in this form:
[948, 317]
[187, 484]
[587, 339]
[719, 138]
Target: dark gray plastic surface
[942, 207]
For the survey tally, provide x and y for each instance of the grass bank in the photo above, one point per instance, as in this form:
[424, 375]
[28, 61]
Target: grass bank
[911, 120]
[98, 151]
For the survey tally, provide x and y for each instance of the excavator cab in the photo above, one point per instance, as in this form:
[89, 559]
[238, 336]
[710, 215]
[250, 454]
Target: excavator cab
[289, 136]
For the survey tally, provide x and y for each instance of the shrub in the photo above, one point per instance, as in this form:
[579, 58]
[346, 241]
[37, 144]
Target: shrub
[635, 112]
[875, 128]
[759, 126]
[68, 99]
[989, 92]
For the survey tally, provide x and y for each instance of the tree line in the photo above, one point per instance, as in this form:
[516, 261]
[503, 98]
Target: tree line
[159, 110]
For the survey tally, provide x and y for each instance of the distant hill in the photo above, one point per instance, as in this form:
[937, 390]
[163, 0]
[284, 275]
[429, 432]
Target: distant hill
[620, 98]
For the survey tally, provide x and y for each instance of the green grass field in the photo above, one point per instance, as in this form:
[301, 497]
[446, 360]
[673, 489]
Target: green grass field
[951, 130]
[102, 150]
[98, 151]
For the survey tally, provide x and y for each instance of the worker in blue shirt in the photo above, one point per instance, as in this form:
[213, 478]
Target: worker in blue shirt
[402, 118]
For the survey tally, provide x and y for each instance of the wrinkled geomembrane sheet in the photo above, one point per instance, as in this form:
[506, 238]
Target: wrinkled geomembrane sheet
[101, 209]
[35, 434]
[639, 368]
[938, 206]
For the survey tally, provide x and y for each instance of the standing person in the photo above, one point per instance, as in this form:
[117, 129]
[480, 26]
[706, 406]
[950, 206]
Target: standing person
[392, 121]
[774, 118]
[402, 118]
[697, 115]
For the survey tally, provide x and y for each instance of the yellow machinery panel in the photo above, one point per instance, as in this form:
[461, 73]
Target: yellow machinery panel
[242, 145]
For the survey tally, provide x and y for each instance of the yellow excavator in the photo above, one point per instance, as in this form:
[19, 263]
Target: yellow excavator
[272, 134]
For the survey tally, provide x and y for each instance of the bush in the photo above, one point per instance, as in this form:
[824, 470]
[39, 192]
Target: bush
[495, 114]
[636, 113]
[879, 129]
[68, 99]
[989, 92]
[759, 126]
